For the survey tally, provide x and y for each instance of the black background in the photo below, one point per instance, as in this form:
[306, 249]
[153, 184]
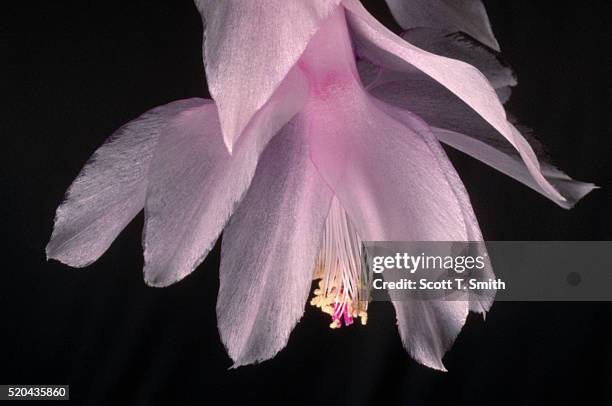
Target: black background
[75, 71]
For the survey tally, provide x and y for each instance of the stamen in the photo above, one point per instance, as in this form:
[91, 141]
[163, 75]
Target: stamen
[342, 272]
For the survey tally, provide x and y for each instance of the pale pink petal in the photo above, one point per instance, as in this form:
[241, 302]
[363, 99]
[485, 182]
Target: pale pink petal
[393, 189]
[428, 328]
[508, 162]
[468, 16]
[457, 46]
[249, 48]
[462, 79]
[373, 76]
[195, 183]
[110, 190]
[465, 130]
[462, 47]
[480, 300]
[269, 250]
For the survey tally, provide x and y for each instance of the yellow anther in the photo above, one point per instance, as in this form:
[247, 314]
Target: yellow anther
[363, 315]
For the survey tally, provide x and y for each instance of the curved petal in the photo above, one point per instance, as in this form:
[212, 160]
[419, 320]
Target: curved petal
[269, 250]
[393, 189]
[468, 16]
[508, 162]
[459, 126]
[465, 81]
[195, 184]
[249, 48]
[373, 76]
[462, 47]
[110, 190]
[480, 301]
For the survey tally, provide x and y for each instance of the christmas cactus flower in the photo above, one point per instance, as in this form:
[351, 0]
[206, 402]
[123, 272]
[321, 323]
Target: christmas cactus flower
[324, 132]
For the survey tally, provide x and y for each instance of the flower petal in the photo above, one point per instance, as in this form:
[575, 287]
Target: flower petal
[508, 162]
[459, 126]
[269, 250]
[110, 190]
[195, 184]
[465, 81]
[249, 48]
[481, 300]
[393, 189]
[468, 16]
[462, 47]
[370, 156]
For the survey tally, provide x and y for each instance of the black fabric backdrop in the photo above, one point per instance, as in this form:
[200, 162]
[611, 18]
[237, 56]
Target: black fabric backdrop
[75, 71]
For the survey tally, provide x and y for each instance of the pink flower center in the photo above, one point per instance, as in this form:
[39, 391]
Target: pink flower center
[329, 61]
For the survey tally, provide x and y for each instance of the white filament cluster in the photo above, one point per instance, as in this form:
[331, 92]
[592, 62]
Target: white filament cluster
[342, 270]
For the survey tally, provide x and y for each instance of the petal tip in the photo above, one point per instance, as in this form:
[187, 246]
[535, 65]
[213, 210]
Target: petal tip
[73, 261]
[235, 365]
[584, 189]
[229, 145]
[229, 137]
[152, 283]
[57, 250]
[238, 361]
[436, 365]
[153, 280]
[162, 275]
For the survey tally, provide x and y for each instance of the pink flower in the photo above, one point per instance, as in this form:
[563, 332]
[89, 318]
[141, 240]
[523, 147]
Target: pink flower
[298, 161]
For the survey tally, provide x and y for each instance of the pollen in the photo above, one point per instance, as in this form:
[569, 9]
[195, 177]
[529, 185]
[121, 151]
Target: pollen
[342, 312]
[342, 290]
